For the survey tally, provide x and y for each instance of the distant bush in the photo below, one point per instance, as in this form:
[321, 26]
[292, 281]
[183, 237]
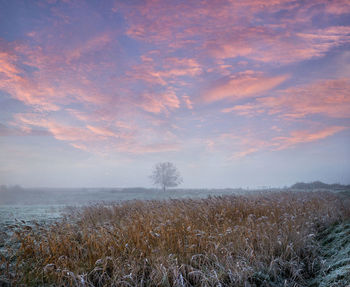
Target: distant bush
[319, 185]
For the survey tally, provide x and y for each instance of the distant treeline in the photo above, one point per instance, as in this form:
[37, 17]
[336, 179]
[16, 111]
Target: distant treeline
[319, 185]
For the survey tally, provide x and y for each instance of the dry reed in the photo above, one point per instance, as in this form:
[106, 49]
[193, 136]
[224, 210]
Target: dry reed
[256, 240]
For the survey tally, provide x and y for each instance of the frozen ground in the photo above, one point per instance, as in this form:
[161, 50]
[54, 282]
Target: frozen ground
[14, 216]
[335, 249]
[83, 196]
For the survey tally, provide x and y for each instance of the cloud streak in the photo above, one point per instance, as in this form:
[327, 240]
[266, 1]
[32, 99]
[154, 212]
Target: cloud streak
[243, 85]
[325, 97]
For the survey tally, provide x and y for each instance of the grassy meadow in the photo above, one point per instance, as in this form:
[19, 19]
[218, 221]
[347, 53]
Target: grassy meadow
[266, 239]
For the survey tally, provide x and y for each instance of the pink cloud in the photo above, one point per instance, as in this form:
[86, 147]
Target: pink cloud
[112, 101]
[94, 139]
[10, 79]
[42, 88]
[55, 83]
[243, 110]
[175, 67]
[188, 102]
[13, 82]
[7, 67]
[163, 72]
[304, 136]
[245, 153]
[337, 7]
[243, 85]
[101, 131]
[69, 133]
[80, 146]
[327, 97]
[69, 73]
[93, 44]
[10, 130]
[59, 130]
[161, 102]
[268, 45]
[248, 142]
[228, 27]
[225, 29]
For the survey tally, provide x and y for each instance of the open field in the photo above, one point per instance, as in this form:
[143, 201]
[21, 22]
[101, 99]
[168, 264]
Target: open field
[267, 239]
[84, 196]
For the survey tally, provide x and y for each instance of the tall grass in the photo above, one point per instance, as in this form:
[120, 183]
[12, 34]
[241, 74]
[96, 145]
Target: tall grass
[261, 240]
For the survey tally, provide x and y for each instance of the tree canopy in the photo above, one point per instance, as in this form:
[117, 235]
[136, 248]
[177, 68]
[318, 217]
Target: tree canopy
[166, 174]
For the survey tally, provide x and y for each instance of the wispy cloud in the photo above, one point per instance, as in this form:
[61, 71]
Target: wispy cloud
[325, 97]
[161, 102]
[243, 85]
[249, 144]
[305, 136]
[225, 30]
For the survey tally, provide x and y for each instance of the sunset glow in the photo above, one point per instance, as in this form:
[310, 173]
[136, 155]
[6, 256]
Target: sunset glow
[235, 93]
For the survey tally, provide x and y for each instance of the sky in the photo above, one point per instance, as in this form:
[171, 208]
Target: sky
[234, 93]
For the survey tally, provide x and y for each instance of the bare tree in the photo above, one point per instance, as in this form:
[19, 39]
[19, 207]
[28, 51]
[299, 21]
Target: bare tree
[166, 175]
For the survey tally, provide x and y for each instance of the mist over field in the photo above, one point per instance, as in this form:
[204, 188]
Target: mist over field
[83, 196]
[17, 195]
